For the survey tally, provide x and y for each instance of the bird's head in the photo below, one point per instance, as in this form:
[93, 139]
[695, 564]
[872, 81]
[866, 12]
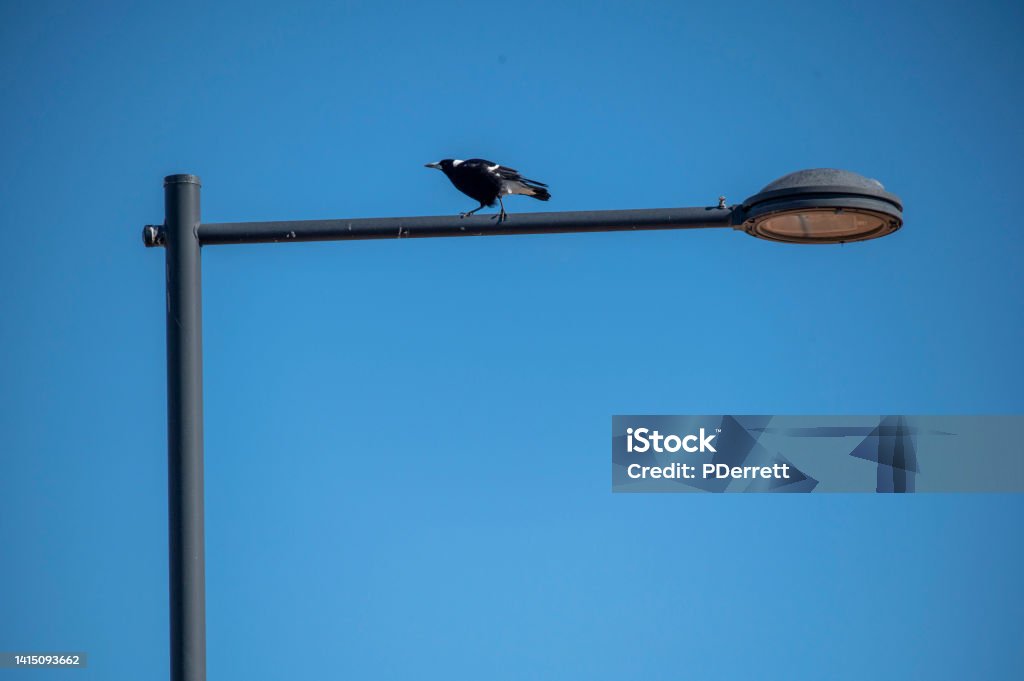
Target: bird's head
[443, 165]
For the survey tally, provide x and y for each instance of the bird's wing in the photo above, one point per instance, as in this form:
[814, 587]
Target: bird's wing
[512, 175]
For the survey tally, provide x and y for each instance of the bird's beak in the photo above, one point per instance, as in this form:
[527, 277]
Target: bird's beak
[433, 165]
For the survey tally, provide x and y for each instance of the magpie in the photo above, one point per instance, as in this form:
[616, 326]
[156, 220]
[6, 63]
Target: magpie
[488, 182]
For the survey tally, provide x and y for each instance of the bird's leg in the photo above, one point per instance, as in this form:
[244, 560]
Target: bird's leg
[467, 214]
[502, 215]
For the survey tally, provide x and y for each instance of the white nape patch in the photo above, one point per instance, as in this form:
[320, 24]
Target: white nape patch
[456, 161]
[494, 167]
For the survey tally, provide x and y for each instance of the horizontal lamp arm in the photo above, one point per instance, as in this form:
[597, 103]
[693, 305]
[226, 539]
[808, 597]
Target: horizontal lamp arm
[452, 225]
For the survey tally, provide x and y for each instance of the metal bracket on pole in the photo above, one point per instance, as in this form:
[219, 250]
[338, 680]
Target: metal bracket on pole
[153, 235]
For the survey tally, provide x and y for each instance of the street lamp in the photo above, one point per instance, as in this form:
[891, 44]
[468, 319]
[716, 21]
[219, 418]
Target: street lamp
[810, 206]
[822, 206]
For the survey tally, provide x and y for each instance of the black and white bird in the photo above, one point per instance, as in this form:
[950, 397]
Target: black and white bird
[488, 182]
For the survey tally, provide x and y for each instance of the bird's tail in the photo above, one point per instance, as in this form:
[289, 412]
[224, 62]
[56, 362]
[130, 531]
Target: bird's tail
[537, 190]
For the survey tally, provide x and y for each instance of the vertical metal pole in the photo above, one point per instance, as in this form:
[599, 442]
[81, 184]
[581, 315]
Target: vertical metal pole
[185, 429]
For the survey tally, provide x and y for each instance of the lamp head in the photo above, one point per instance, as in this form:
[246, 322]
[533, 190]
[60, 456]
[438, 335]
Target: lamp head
[822, 206]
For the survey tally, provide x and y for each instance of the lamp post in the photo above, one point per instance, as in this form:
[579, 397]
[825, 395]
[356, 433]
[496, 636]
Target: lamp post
[810, 206]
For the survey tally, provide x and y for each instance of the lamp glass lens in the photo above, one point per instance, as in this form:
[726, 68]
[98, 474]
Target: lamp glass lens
[821, 224]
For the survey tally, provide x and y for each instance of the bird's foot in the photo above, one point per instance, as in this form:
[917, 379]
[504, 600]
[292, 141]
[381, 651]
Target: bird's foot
[501, 217]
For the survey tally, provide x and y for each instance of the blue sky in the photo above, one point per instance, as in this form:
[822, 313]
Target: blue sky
[407, 442]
